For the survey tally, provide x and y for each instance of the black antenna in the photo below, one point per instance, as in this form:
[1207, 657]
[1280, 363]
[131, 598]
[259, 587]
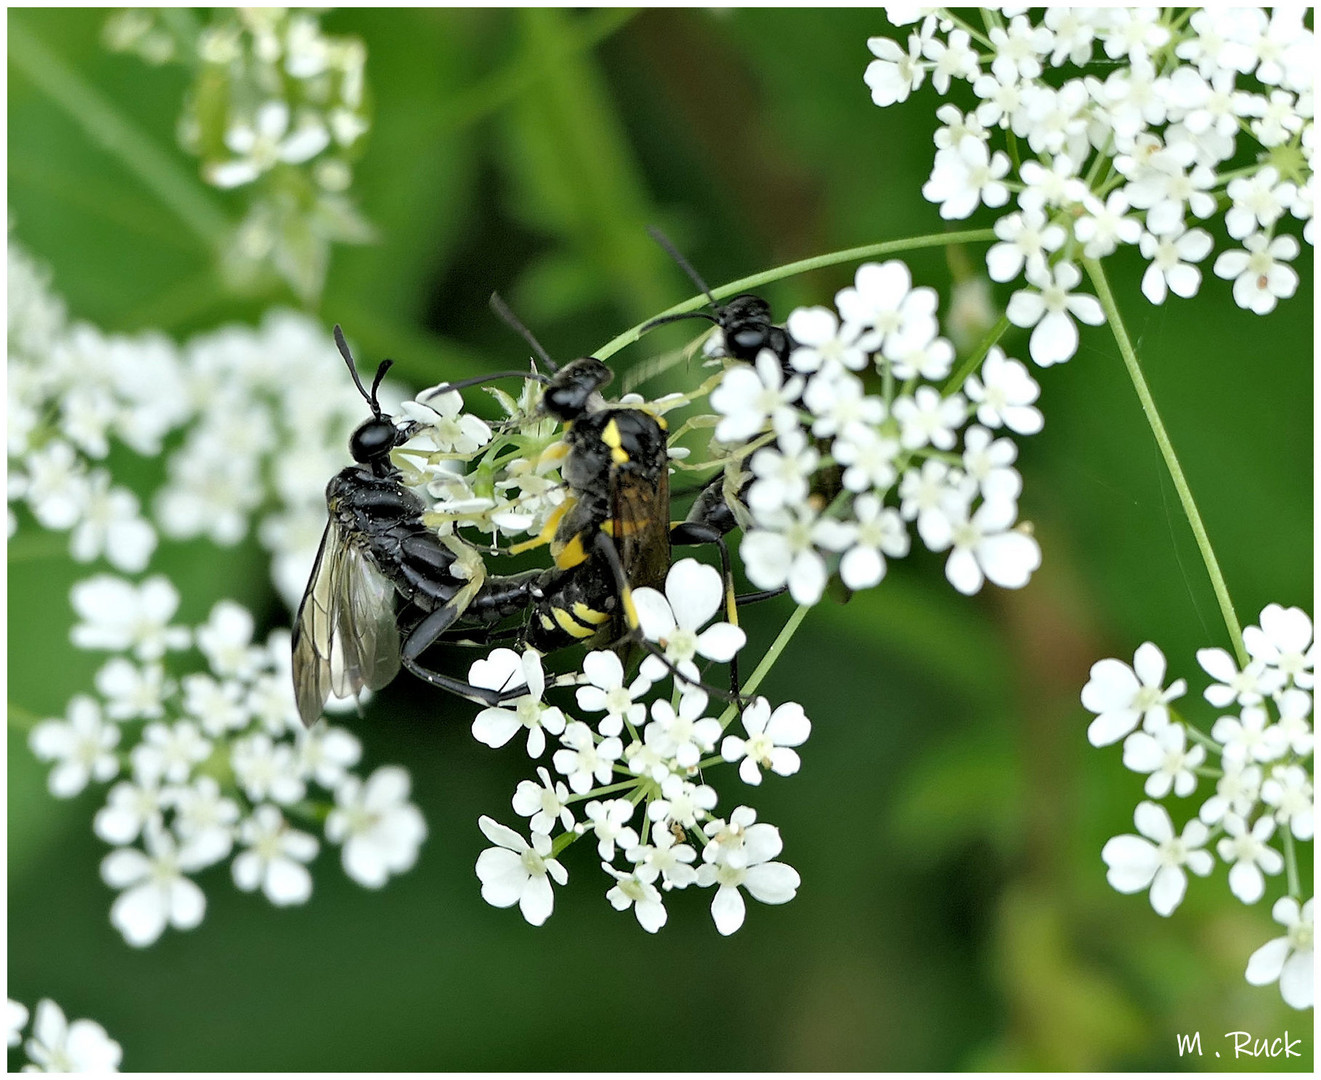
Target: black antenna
[502, 309]
[386, 365]
[353, 370]
[684, 264]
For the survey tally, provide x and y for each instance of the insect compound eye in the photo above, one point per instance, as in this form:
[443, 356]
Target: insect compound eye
[373, 440]
[572, 387]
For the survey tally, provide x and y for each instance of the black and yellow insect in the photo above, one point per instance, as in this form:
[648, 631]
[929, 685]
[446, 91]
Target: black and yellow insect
[611, 534]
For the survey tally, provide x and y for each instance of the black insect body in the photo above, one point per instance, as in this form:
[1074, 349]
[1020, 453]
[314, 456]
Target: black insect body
[745, 320]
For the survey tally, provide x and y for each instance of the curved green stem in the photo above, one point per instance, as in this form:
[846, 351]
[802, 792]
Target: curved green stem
[1162, 437]
[975, 358]
[767, 661]
[802, 266]
[1291, 864]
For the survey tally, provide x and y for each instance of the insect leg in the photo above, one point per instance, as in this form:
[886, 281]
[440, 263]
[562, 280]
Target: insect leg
[634, 633]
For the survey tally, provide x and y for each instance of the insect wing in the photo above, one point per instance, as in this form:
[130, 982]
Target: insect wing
[345, 635]
[641, 513]
[369, 634]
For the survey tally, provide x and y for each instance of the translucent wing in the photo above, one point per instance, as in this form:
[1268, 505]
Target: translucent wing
[345, 635]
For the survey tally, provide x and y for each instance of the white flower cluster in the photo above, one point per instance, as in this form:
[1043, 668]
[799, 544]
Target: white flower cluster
[56, 1045]
[1263, 799]
[1190, 111]
[837, 475]
[211, 764]
[254, 441]
[275, 102]
[639, 766]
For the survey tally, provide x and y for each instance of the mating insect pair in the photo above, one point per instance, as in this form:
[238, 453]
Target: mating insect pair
[611, 534]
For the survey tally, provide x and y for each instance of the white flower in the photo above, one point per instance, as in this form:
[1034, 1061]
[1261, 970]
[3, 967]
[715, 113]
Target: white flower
[693, 594]
[965, 176]
[264, 142]
[822, 342]
[59, 1046]
[882, 297]
[770, 736]
[682, 736]
[156, 892]
[225, 639]
[739, 855]
[642, 896]
[750, 395]
[1104, 226]
[118, 616]
[609, 821]
[1171, 268]
[1259, 200]
[504, 670]
[953, 58]
[785, 552]
[1135, 863]
[111, 524]
[448, 427]
[170, 751]
[1121, 696]
[1026, 239]
[16, 1017]
[927, 418]
[545, 802]
[1245, 687]
[326, 753]
[1284, 643]
[1051, 312]
[1004, 394]
[1166, 758]
[877, 531]
[129, 806]
[275, 857]
[894, 74]
[133, 692]
[56, 485]
[204, 819]
[868, 458]
[516, 872]
[584, 759]
[607, 693]
[1247, 850]
[984, 546]
[1236, 792]
[665, 857]
[1288, 959]
[82, 746]
[1295, 720]
[1249, 736]
[267, 770]
[218, 705]
[783, 473]
[1259, 272]
[682, 802]
[1288, 792]
[380, 830]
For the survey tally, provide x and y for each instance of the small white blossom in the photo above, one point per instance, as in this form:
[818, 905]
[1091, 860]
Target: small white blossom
[1246, 848]
[583, 759]
[155, 893]
[739, 856]
[609, 820]
[1288, 792]
[544, 803]
[516, 872]
[751, 395]
[57, 1045]
[770, 737]
[505, 670]
[1284, 643]
[1260, 272]
[380, 830]
[642, 896]
[1166, 758]
[117, 616]
[606, 693]
[1156, 860]
[694, 593]
[1004, 394]
[1051, 313]
[1250, 736]
[82, 746]
[275, 857]
[1121, 695]
[1289, 959]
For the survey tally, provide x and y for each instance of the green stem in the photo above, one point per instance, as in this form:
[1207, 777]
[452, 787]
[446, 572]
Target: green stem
[803, 266]
[976, 357]
[117, 135]
[1291, 864]
[1162, 437]
[772, 655]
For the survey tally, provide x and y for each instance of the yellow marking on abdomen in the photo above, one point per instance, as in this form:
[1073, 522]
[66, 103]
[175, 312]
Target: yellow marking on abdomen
[567, 623]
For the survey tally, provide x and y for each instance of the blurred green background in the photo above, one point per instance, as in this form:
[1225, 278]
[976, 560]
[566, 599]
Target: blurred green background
[949, 815]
